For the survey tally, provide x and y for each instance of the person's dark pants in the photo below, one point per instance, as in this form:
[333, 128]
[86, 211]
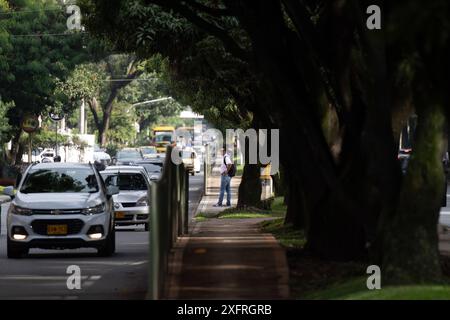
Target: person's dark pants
[225, 182]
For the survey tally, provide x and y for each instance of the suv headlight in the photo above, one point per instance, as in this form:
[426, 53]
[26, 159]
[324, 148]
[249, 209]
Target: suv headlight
[94, 210]
[142, 202]
[20, 211]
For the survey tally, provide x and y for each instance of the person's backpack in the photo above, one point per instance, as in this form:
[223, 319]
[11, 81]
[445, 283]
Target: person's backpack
[232, 171]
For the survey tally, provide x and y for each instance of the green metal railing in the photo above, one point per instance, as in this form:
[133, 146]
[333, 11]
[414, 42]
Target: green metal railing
[207, 169]
[169, 219]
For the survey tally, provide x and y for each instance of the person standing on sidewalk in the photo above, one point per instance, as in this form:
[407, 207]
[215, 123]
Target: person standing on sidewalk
[225, 179]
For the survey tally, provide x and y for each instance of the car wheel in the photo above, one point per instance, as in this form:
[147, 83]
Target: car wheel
[109, 247]
[15, 251]
[146, 227]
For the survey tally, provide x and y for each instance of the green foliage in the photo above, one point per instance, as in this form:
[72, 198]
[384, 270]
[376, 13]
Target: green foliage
[200, 72]
[84, 82]
[37, 53]
[355, 289]
[4, 126]
[45, 138]
[122, 129]
[287, 235]
[112, 149]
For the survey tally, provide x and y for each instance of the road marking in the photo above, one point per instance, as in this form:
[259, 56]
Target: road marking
[48, 278]
[38, 278]
[138, 263]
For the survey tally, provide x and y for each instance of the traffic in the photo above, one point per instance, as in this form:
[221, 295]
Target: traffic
[93, 214]
[61, 205]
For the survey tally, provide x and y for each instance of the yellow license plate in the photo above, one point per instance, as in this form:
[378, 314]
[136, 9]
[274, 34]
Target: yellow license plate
[57, 229]
[120, 215]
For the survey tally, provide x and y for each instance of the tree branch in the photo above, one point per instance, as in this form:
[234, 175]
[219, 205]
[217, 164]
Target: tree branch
[92, 103]
[229, 43]
[215, 12]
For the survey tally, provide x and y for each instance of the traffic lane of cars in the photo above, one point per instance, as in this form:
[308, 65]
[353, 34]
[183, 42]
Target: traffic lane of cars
[43, 274]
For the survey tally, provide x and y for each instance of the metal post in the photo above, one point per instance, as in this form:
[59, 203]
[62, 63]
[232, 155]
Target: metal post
[82, 115]
[206, 170]
[56, 138]
[186, 203]
[30, 148]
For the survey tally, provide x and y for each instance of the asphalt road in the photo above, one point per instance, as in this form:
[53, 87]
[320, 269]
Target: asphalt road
[43, 273]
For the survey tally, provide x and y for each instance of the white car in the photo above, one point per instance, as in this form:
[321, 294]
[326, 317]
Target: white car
[191, 160]
[102, 157]
[40, 155]
[60, 206]
[131, 205]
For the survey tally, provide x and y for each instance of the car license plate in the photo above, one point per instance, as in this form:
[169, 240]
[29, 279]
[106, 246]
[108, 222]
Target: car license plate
[57, 229]
[120, 215]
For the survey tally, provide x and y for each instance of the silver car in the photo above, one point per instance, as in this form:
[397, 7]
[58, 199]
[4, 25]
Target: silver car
[131, 205]
[59, 206]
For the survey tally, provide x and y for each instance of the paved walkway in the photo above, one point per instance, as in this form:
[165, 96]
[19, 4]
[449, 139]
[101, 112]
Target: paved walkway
[227, 258]
[211, 196]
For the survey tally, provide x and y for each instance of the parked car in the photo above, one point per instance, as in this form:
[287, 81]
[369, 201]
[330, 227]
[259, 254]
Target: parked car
[60, 206]
[40, 155]
[131, 205]
[127, 156]
[101, 156]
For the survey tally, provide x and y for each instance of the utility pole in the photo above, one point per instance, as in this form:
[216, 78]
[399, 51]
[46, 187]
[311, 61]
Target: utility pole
[82, 121]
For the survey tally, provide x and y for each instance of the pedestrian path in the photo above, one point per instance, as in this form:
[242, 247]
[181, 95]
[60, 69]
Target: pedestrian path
[227, 258]
[210, 198]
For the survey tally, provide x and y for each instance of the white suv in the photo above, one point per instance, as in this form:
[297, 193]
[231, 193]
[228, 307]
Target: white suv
[59, 206]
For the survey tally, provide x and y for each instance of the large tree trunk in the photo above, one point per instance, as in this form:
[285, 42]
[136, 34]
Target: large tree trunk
[410, 240]
[107, 112]
[15, 148]
[333, 230]
[297, 211]
[250, 187]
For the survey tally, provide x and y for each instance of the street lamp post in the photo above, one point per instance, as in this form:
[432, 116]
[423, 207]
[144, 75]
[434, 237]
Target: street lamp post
[56, 117]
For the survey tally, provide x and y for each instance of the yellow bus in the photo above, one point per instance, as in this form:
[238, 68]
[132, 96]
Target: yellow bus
[162, 137]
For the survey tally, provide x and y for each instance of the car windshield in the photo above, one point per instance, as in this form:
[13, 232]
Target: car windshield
[66, 180]
[187, 155]
[126, 181]
[129, 154]
[148, 150]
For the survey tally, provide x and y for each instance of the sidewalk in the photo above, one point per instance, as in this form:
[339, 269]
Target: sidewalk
[227, 258]
[212, 193]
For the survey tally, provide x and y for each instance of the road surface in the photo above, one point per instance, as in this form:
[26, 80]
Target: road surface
[43, 273]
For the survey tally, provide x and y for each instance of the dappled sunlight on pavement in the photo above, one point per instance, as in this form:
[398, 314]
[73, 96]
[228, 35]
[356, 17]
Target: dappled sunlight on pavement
[229, 260]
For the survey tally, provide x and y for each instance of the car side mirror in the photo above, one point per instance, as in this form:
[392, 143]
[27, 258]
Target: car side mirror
[9, 191]
[112, 190]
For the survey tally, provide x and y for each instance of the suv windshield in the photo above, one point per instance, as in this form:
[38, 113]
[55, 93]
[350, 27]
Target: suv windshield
[125, 181]
[78, 180]
[129, 154]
